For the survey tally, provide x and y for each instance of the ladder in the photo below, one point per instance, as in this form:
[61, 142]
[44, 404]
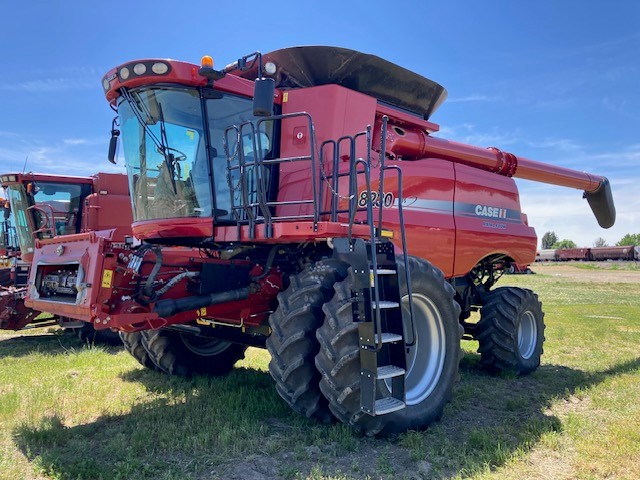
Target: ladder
[377, 309]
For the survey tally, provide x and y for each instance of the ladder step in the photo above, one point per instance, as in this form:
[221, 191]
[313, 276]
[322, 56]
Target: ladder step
[384, 271]
[384, 304]
[389, 371]
[389, 338]
[388, 405]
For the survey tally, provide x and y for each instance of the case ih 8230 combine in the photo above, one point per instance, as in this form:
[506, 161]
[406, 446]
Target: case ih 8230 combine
[46, 206]
[297, 200]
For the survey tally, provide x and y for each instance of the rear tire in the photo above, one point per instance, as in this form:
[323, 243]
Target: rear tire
[183, 354]
[432, 363]
[511, 331]
[293, 344]
[88, 334]
[132, 342]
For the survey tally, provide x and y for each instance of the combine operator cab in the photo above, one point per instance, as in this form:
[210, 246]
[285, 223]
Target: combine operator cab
[45, 206]
[8, 245]
[298, 200]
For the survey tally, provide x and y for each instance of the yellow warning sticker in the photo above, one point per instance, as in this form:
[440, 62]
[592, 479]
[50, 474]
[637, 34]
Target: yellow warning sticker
[285, 97]
[107, 278]
[202, 312]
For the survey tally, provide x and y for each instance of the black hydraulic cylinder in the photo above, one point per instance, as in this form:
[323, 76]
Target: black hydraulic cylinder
[169, 306]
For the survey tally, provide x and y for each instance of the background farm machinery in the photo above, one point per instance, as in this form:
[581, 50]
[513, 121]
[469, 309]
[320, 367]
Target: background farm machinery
[54, 206]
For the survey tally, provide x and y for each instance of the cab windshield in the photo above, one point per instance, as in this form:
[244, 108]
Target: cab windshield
[169, 156]
[46, 209]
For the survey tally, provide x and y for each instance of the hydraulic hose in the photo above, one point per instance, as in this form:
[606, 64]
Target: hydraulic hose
[169, 307]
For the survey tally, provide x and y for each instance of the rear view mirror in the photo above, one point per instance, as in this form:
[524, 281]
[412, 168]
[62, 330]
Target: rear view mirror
[264, 89]
[113, 143]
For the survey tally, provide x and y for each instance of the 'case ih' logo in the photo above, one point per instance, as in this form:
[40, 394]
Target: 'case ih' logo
[492, 212]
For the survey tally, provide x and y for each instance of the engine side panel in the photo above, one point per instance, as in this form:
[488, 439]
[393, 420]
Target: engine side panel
[489, 220]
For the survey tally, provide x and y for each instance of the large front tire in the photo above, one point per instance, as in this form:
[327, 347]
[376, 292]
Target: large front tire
[293, 344]
[184, 354]
[432, 362]
[511, 331]
[132, 342]
[88, 334]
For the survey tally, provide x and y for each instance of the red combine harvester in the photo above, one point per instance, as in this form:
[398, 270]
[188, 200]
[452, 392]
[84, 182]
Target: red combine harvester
[55, 206]
[297, 200]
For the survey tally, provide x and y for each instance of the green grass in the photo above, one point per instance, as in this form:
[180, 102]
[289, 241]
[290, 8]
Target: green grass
[68, 411]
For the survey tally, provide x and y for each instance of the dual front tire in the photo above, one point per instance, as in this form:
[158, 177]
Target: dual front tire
[432, 357]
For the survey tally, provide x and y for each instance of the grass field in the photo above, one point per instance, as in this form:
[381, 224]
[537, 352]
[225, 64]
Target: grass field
[68, 411]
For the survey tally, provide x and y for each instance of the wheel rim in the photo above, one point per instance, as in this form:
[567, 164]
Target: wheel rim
[527, 335]
[206, 347]
[425, 359]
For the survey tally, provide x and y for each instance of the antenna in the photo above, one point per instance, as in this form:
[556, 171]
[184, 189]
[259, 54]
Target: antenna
[24, 167]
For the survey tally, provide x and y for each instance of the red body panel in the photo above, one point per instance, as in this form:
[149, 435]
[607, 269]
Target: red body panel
[336, 112]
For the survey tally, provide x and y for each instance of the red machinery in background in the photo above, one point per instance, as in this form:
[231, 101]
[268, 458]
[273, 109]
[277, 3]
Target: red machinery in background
[9, 248]
[271, 198]
[56, 206]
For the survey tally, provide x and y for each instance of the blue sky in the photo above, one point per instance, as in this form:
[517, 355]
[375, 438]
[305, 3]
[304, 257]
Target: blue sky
[553, 81]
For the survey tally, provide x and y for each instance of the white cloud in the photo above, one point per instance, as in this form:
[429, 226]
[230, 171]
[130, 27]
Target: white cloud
[69, 156]
[49, 85]
[75, 141]
[468, 133]
[474, 98]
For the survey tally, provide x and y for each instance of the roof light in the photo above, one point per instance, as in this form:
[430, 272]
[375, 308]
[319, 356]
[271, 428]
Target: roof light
[206, 62]
[105, 84]
[124, 73]
[139, 69]
[160, 68]
[269, 68]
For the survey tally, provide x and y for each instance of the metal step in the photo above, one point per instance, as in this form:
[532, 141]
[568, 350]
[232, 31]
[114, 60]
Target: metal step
[384, 304]
[389, 371]
[388, 405]
[384, 271]
[388, 338]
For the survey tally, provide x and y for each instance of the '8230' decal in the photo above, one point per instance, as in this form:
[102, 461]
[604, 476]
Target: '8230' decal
[374, 198]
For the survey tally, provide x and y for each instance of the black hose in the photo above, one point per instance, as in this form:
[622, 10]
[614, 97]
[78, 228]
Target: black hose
[169, 307]
[148, 286]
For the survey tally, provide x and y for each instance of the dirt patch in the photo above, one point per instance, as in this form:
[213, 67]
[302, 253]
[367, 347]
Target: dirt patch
[377, 459]
[597, 274]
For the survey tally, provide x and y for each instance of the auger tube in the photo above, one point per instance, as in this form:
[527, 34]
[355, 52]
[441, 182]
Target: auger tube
[408, 143]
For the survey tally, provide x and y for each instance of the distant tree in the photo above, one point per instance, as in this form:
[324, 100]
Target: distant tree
[564, 244]
[600, 242]
[629, 239]
[548, 239]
